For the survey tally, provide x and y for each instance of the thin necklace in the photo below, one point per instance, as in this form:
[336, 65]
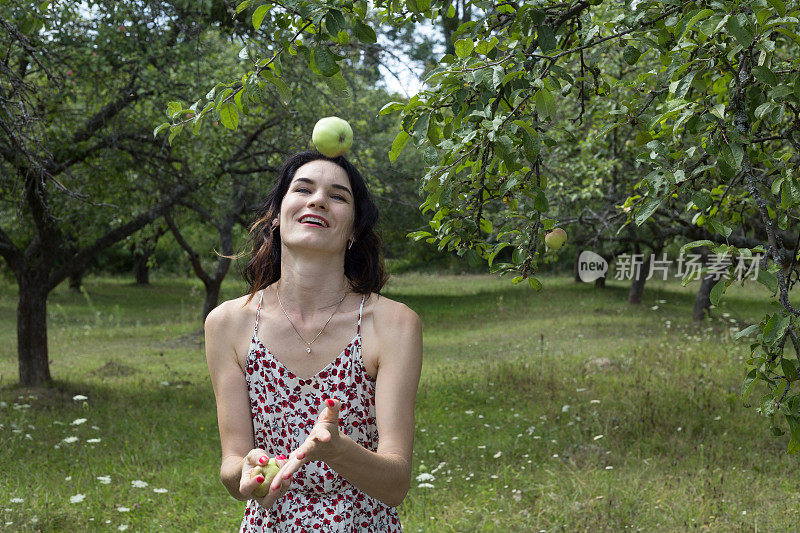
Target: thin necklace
[308, 344]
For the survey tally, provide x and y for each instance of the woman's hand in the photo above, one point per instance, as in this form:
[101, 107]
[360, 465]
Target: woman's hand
[248, 484]
[322, 443]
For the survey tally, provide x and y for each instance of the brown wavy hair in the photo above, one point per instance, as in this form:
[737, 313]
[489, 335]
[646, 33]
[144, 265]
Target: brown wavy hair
[363, 262]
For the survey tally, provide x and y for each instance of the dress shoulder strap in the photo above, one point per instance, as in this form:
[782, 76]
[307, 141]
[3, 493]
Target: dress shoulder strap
[258, 313]
[358, 330]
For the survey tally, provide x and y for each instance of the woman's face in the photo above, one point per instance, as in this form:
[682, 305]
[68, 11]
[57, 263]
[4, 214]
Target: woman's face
[322, 189]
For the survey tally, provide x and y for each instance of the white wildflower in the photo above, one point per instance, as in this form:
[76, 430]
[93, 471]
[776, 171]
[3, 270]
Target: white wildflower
[105, 480]
[78, 422]
[78, 498]
[425, 477]
[139, 484]
[79, 397]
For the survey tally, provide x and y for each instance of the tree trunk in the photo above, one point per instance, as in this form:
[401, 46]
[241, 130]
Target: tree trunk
[212, 296]
[141, 270]
[75, 281]
[34, 365]
[702, 300]
[637, 285]
[575, 269]
[600, 283]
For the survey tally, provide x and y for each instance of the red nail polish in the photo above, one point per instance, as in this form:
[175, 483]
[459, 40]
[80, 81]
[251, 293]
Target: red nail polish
[260, 479]
[281, 457]
[263, 459]
[301, 455]
[330, 402]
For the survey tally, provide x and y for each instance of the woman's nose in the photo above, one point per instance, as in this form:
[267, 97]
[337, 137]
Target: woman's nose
[317, 200]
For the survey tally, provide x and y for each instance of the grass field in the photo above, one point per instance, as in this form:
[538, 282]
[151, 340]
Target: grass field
[564, 410]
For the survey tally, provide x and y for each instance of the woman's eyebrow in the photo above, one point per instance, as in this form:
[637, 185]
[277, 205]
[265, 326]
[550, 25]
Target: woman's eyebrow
[335, 185]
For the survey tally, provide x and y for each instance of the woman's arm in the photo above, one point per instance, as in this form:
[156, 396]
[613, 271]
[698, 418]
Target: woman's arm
[233, 403]
[386, 473]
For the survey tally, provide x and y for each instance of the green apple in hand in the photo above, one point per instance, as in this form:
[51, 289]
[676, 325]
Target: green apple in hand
[268, 471]
[332, 136]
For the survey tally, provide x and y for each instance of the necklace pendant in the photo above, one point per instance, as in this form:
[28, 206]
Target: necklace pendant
[308, 350]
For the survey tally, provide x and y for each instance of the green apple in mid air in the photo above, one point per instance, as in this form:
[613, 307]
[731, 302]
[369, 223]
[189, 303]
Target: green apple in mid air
[268, 471]
[556, 238]
[332, 136]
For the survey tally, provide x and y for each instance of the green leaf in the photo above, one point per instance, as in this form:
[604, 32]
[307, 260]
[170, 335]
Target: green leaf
[794, 430]
[496, 251]
[535, 283]
[768, 280]
[789, 367]
[738, 26]
[631, 55]
[746, 331]
[160, 128]
[717, 291]
[545, 103]
[775, 328]
[229, 116]
[391, 106]
[421, 128]
[335, 22]
[464, 47]
[683, 85]
[702, 200]
[364, 33]
[241, 7]
[173, 108]
[530, 145]
[259, 14]
[779, 6]
[174, 131]
[703, 13]
[547, 39]
[540, 202]
[284, 92]
[398, 144]
[765, 75]
[648, 208]
[325, 61]
[338, 85]
[748, 384]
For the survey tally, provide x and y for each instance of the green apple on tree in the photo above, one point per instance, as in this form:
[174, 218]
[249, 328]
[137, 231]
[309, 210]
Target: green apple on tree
[556, 238]
[269, 471]
[332, 136]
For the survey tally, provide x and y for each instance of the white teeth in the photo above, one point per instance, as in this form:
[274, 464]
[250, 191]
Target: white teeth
[314, 219]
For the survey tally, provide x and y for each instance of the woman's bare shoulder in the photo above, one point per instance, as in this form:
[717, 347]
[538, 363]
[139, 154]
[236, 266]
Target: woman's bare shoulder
[231, 312]
[387, 311]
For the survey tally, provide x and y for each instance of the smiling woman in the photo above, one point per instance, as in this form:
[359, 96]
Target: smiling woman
[339, 422]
